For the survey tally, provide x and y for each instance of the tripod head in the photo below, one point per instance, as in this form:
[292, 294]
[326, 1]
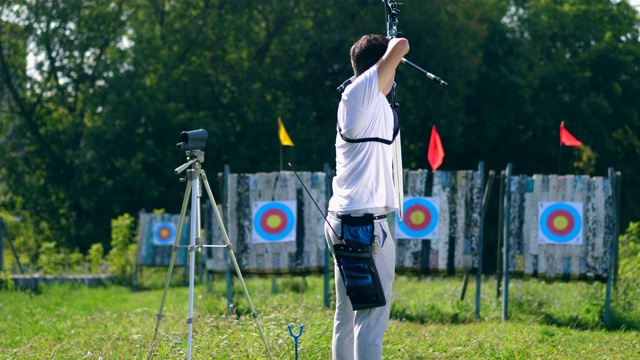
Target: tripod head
[193, 156]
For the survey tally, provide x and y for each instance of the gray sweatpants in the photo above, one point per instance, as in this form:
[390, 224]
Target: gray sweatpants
[358, 334]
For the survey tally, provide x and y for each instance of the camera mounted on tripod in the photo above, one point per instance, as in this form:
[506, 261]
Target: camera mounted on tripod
[193, 140]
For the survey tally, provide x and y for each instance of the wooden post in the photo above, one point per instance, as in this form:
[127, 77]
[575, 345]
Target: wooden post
[500, 234]
[485, 203]
[616, 232]
[225, 201]
[607, 302]
[1, 244]
[327, 255]
[505, 271]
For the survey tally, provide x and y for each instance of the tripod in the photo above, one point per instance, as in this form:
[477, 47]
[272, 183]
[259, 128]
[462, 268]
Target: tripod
[194, 174]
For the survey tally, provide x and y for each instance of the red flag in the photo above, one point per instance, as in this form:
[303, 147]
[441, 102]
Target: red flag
[436, 151]
[566, 138]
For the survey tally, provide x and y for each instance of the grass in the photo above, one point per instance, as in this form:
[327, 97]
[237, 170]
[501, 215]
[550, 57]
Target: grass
[429, 321]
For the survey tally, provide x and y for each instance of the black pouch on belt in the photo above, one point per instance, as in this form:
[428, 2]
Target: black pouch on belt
[355, 260]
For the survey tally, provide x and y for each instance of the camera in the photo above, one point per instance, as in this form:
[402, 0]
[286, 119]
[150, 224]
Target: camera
[193, 140]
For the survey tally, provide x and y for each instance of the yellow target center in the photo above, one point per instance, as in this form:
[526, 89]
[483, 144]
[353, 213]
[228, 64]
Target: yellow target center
[164, 233]
[560, 222]
[417, 217]
[274, 221]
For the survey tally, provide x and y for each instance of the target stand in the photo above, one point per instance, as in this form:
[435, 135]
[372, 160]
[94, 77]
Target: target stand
[195, 177]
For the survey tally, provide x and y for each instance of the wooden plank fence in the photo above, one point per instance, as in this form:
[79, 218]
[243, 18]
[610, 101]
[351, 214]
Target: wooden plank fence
[528, 257]
[150, 254]
[306, 253]
[456, 249]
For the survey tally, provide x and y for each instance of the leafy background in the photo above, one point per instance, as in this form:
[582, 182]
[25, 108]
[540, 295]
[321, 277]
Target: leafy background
[95, 94]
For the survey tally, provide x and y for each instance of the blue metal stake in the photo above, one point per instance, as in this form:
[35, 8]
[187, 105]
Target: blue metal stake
[295, 338]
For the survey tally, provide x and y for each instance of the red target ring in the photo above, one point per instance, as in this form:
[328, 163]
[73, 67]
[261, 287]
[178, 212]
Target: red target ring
[560, 222]
[164, 233]
[417, 217]
[273, 221]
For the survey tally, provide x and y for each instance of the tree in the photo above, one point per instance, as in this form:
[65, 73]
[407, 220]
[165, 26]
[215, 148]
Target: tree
[51, 102]
[583, 57]
[92, 119]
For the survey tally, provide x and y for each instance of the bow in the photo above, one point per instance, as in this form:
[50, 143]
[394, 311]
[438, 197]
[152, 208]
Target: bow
[391, 14]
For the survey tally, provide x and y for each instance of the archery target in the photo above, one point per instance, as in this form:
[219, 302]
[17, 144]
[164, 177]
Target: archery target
[274, 221]
[560, 223]
[420, 221]
[164, 233]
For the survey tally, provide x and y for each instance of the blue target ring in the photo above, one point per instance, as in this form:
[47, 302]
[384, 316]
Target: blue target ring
[273, 221]
[560, 222]
[420, 218]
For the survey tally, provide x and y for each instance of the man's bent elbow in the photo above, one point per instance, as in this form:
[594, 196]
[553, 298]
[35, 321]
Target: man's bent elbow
[401, 44]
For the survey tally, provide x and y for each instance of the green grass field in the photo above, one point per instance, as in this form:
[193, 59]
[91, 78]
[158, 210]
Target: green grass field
[429, 321]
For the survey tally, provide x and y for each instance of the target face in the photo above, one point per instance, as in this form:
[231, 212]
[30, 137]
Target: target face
[164, 233]
[274, 221]
[560, 223]
[420, 221]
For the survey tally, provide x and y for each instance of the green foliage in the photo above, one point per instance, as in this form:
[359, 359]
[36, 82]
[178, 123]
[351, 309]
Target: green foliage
[6, 282]
[95, 257]
[53, 260]
[89, 130]
[122, 257]
[628, 284]
[630, 244]
[49, 260]
[587, 160]
[21, 233]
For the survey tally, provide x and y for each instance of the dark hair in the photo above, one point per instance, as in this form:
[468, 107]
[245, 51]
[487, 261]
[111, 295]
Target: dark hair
[367, 51]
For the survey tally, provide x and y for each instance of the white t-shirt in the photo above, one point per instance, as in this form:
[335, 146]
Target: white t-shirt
[364, 178]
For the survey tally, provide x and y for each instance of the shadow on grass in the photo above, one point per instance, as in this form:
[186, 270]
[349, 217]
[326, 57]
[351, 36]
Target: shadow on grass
[565, 305]
[617, 322]
[433, 314]
[430, 313]
[620, 322]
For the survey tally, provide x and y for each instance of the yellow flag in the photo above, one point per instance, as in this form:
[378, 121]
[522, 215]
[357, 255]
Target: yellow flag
[285, 140]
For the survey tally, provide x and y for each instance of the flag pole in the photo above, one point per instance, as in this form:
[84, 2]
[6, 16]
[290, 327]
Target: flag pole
[559, 158]
[280, 156]
[565, 139]
[560, 151]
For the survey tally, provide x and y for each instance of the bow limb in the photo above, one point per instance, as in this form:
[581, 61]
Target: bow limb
[398, 176]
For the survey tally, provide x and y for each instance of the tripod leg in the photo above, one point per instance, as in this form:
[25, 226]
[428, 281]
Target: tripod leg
[193, 239]
[174, 253]
[254, 313]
